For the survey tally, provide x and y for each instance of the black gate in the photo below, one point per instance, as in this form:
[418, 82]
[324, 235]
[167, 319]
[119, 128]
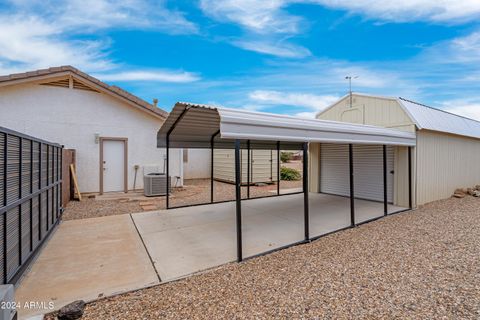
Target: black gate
[30, 198]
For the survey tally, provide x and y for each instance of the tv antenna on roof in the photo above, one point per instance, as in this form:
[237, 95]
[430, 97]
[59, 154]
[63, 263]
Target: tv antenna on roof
[349, 78]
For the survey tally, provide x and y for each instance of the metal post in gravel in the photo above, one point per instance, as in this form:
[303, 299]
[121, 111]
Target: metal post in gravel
[278, 167]
[211, 169]
[5, 169]
[385, 193]
[167, 172]
[248, 169]
[212, 147]
[305, 191]
[352, 191]
[238, 199]
[410, 177]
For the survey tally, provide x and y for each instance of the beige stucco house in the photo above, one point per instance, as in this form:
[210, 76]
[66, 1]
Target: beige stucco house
[445, 157]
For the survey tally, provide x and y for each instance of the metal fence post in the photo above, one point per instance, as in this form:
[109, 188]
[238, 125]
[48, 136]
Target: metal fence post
[385, 191]
[61, 179]
[5, 167]
[47, 204]
[352, 190]
[40, 195]
[238, 199]
[50, 188]
[248, 169]
[167, 172]
[20, 206]
[305, 192]
[278, 167]
[31, 191]
[212, 148]
[410, 202]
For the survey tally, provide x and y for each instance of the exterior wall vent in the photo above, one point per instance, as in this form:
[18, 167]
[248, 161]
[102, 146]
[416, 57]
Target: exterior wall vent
[65, 83]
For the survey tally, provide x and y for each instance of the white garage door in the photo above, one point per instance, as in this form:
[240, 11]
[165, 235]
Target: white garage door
[368, 171]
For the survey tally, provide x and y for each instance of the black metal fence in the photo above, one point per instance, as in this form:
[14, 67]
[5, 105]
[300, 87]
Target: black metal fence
[30, 198]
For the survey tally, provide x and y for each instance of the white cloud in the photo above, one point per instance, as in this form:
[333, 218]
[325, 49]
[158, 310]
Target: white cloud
[40, 34]
[30, 43]
[266, 24]
[466, 48]
[271, 16]
[409, 10]
[307, 115]
[266, 20]
[295, 99]
[260, 16]
[284, 50]
[463, 108]
[158, 76]
[91, 15]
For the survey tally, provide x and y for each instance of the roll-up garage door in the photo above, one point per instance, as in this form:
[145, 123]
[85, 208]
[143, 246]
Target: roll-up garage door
[368, 171]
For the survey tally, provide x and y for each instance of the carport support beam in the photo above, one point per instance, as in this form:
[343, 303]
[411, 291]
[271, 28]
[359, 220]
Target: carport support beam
[305, 191]
[238, 200]
[352, 191]
[248, 169]
[212, 141]
[5, 233]
[278, 167]
[167, 171]
[385, 192]
[410, 202]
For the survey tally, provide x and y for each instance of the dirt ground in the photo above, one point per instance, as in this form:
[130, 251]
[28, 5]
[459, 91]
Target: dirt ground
[422, 264]
[194, 191]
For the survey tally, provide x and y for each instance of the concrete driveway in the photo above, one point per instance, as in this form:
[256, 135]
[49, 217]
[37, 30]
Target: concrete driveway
[86, 259]
[187, 240]
[90, 258]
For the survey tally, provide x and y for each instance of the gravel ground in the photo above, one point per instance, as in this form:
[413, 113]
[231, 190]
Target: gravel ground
[195, 191]
[417, 265]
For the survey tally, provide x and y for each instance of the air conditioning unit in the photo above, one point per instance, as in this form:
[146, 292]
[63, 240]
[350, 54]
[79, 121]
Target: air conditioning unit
[155, 184]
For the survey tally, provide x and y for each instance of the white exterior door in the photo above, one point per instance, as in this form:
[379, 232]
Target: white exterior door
[367, 171]
[113, 165]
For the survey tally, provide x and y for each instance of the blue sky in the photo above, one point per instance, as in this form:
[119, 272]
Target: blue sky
[283, 56]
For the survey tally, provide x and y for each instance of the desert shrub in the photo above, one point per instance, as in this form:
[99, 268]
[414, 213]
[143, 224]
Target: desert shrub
[289, 174]
[285, 156]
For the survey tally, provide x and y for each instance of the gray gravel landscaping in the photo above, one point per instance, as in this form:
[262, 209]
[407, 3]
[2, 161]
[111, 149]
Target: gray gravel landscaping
[194, 191]
[415, 265]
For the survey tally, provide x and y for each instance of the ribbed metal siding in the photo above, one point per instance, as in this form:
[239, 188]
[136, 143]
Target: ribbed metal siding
[35, 222]
[25, 218]
[13, 168]
[25, 167]
[334, 176]
[30, 201]
[2, 251]
[36, 166]
[263, 165]
[368, 171]
[2, 170]
[12, 241]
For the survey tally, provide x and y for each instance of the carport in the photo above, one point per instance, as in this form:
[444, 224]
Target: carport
[219, 232]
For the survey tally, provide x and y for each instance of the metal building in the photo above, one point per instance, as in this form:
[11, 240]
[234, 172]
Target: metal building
[446, 155]
[262, 167]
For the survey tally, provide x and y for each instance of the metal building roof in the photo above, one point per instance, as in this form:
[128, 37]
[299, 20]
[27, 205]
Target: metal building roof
[194, 126]
[429, 118]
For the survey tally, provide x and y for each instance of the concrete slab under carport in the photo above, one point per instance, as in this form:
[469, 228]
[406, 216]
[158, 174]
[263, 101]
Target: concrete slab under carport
[86, 259]
[186, 240]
